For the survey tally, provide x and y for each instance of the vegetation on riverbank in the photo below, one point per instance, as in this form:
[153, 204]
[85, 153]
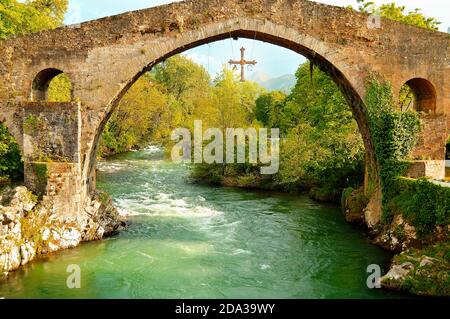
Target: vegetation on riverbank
[416, 213]
[11, 166]
[423, 272]
[178, 92]
[321, 148]
[423, 203]
[174, 95]
[315, 113]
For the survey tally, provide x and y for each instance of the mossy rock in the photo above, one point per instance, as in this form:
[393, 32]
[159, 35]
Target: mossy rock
[430, 274]
[353, 203]
[324, 194]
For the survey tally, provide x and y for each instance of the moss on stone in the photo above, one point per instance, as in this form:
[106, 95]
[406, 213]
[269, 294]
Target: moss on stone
[353, 203]
[32, 124]
[41, 172]
[399, 233]
[430, 275]
[31, 227]
[324, 194]
[103, 198]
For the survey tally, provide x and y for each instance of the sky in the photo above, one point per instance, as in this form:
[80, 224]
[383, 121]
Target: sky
[273, 61]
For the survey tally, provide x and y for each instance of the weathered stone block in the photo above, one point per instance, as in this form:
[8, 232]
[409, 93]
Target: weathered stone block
[59, 182]
[51, 132]
[36, 177]
[430, 169]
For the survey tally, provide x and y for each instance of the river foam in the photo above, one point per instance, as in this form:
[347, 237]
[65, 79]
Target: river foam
[165, 205]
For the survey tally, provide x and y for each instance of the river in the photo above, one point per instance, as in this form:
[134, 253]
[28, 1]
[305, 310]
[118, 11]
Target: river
[196, 241]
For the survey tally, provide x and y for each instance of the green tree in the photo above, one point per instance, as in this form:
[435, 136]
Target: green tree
[398, 13]
[323, 146]
[10, 158]
[183, 80]
[18, 18]
[145, 114]
[173, 95]
[268, 106]
[60, 89]
[234, 100]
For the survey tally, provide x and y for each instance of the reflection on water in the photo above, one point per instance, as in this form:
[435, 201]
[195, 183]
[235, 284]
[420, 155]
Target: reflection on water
[192, 241]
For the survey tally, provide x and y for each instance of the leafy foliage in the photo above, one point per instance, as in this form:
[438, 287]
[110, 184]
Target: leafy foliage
[394, 132]
[321, 146]
[60, 89]
[175, 94]
[11, 165]
[394, 135]
[22, 17]
[144, 114]
[269, 109]
[397, 13]
[425, 204]
[406, 98]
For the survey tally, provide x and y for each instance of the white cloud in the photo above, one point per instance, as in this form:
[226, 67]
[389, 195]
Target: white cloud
[210, 63]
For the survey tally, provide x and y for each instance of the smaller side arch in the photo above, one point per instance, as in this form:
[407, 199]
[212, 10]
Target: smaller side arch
[41, 84]
[418, 94]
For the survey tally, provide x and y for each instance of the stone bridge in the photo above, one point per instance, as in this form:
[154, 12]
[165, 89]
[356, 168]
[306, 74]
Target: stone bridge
[103, 58]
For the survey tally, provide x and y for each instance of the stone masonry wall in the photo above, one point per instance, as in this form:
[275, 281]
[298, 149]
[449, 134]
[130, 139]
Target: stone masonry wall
[430, 169]
[52, 132]
[51, 153]
[432, 138]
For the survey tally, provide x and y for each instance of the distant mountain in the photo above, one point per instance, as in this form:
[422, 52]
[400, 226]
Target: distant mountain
[283, 83]
[260, 77]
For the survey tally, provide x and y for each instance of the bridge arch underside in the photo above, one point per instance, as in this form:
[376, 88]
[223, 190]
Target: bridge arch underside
[350, 84]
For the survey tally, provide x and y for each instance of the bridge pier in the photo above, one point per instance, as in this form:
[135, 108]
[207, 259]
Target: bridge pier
[51, 140]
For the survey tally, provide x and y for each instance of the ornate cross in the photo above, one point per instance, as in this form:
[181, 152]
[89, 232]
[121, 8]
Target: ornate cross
[242, 63]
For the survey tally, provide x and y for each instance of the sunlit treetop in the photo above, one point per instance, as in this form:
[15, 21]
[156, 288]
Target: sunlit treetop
[398, 13]
[18, 18]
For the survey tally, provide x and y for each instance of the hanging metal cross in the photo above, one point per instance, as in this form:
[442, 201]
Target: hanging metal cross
[242, 63]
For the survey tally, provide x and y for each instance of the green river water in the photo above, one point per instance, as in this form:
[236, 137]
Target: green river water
[194, 241]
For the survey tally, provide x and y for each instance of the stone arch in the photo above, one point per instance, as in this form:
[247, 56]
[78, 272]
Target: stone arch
[420, 96]
[314, 52]
[119, 49]
[41, 83]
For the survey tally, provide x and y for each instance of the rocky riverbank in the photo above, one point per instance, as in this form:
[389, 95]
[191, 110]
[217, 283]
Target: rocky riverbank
[422, 263]
[424, 272]
[30, 228]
